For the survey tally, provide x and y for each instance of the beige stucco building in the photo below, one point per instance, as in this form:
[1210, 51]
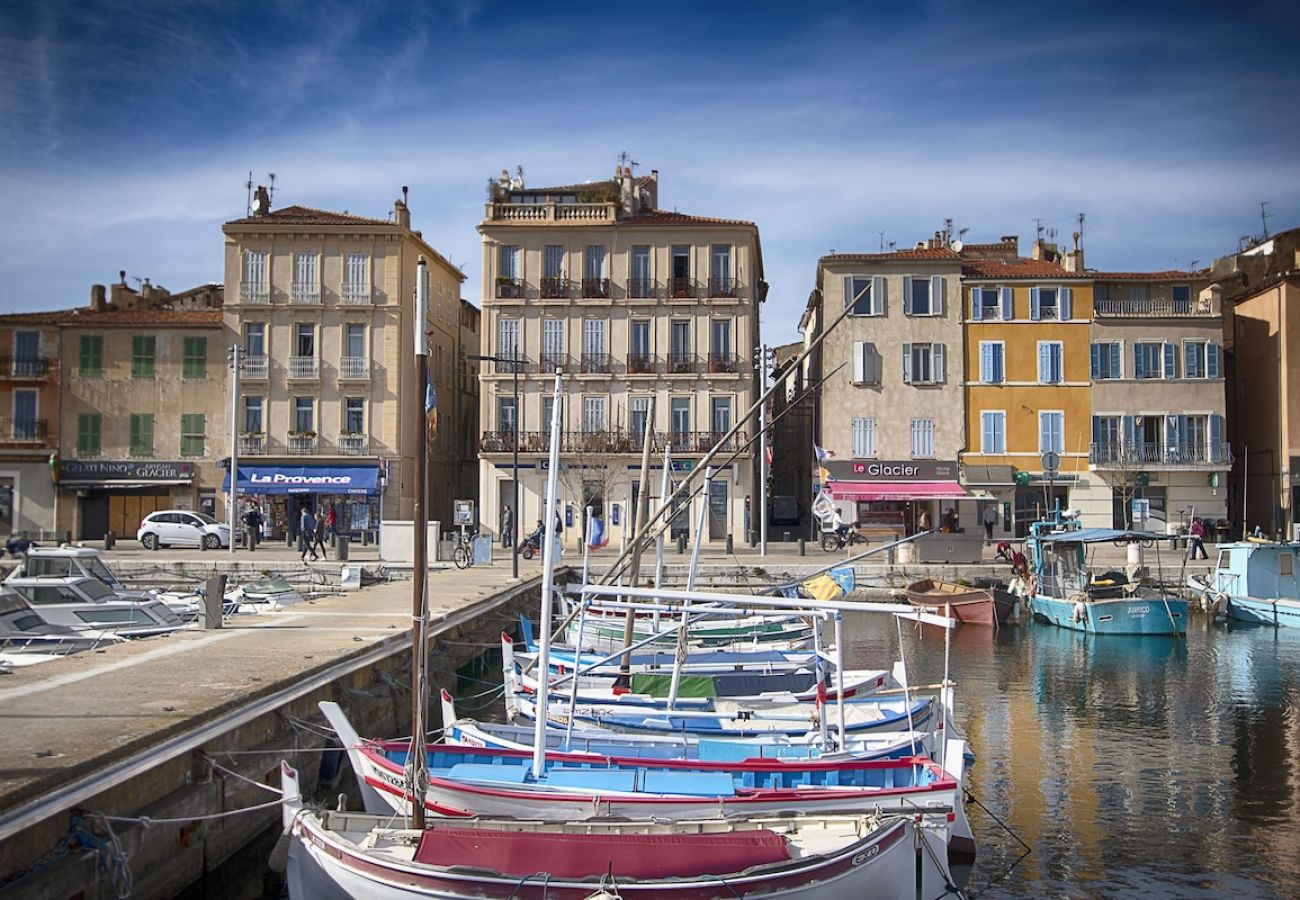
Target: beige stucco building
[646, 313]
[322, 305]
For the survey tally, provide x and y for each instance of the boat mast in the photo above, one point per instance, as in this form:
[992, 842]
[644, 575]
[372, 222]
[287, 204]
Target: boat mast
[548, 584]
[417, 761]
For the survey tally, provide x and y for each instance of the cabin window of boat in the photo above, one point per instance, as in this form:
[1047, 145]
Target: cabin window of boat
[45, 566]
[96, 567]
[27, 623]
[1285, 564]
[97, 590]
[104, 616]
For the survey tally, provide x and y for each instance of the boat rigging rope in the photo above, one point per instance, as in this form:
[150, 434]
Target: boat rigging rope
[970, 797]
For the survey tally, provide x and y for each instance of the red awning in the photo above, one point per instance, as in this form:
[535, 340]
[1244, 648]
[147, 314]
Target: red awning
[896, 490]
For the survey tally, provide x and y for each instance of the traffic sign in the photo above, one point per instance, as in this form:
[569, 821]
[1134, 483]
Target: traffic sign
[1051, 461]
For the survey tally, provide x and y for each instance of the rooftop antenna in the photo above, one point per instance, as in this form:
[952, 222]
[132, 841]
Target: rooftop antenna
[947, 232]
[270, 197]
[626, 160]
[961, 233]
[1079, 244]
[892, 246]
[1038, 228]
[248, 207]
[882, 241]
[1264, 216]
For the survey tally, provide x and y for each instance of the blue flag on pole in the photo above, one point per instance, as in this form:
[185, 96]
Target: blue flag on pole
[431, 406]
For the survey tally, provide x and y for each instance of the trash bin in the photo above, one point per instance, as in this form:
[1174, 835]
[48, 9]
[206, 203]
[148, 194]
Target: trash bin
[729, 544]
[341, 546]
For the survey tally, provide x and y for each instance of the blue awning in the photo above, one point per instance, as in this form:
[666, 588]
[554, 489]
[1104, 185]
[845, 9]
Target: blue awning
[306, 480]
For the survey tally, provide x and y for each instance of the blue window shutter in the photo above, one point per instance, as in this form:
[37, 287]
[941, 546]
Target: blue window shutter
[1216, 440]
[879, 295]
[999, 363]
[1096, 429]
[1094, 362]
[1129, 427]
[1171, 360]
[1008, 303]
[937, 291]
[1189, 359]
[1212, 360]
[976, 310]
[1033, 303]
[848, 290]
[986, 362]
[1044, 363]
[907, 364]
[986, 443]
[1139, 371]
[907, 295]
[1115, 354]
[936, 362]
[1064, 303]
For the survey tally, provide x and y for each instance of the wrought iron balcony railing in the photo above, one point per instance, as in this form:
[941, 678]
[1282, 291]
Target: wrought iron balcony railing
[595, 287]
[681, 287]
[256, 293]
[1106, 455]
[554, 287]
[595, 364]
[510, 289]
[720, 363]
[23, 430]
[252, 444]
[641, 364]
[641, 288]
[304, 367]
[354, 294]
[255, 368]
[305, 293]
[353, 444]
[722, 286]
[303, 443]
[24, 366]
[681, 363]
[354, 367]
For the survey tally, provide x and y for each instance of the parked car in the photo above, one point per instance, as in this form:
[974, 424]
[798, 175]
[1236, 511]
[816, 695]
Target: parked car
[182, 528]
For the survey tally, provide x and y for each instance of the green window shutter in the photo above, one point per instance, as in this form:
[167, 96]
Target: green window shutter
[88, 434]
[141, 434]
[192, 434]
[143, 348]
[196, 357]
[91, 363]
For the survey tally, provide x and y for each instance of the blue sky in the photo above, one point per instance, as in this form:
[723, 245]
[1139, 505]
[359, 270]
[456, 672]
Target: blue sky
[127, 130]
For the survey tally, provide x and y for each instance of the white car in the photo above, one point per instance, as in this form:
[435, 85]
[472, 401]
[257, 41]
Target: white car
[182, 528]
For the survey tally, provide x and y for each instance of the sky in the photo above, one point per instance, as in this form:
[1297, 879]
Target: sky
[128, 130]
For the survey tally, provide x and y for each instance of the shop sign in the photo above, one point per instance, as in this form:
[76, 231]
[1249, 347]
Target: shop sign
[124, 470]
[892, 470]
[462, 512]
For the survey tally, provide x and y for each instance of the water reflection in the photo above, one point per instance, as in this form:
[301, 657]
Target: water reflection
[1158, 765]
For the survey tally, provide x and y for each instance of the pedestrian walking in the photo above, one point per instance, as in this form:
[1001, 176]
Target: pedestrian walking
[306, 533]
[1196, 542]
[507, 526]
[332, 523]
[253, 525]
[923, 523]
[990, 519]
[318, 542]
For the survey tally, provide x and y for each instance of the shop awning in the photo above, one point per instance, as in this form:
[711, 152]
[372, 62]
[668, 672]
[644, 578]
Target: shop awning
[306, 480]
[896, 490]
[989, 476]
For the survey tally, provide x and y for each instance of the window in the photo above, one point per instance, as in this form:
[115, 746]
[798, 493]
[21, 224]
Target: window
[91, 357]
[922, 438]
[304, 416]
[195, 363]
[306, 287]
[864, 438]
[1105, 360]
[193, 428]
[721, 417]
[141, 434]
[354, 341]
[993, 431]
[593, 343]
[720, 283]
[680, 285]
[25, 422]
[865, 295]
[356, 274]
[506, 419]
[1182, 297]
[1193, 438]
[1051, 432]
[304, 340]
[1049, 303]
[720, 337]
[1201, 359]
[991, 303]
[992, 366]
[548, 412]
[507, 340]
[354, 415]
[639, 337]
[866, 363]
[1154, 360]
[552, 344]
[1050, 367]
[143, 347]
[1105, 439]
[255, 339]
[1139, 295]
[593, 414]
[508, 262]
[254, 423]
[639, 410]
[89, 434]
[255, 270]
[553, 261]
[593, 262]
[642, 285]
[681, 415]
[681, 336]
[923, 296]
[923, 363]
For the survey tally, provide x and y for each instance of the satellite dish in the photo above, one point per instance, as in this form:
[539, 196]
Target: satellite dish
[956, 246]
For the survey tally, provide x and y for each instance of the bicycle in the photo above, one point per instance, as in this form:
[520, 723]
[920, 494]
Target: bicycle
[838, 540]
[463, 554]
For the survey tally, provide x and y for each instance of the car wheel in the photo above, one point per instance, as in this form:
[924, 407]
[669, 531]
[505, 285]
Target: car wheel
[150, 541]
[211, 542]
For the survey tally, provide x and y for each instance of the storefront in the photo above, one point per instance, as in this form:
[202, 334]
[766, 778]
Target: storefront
[900, 496]
[282, 491]
[114, 495]
[993, 486]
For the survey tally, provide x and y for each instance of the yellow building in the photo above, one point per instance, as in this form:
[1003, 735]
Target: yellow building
[1027, 383]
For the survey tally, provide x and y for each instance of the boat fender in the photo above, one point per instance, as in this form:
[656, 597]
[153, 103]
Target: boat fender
[1033, 586]
[1220, 604]
[1078, 611]
[279, 859]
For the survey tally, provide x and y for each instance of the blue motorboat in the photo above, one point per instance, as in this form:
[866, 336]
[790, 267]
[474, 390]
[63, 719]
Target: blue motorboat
[1255, 581]
[1063, 590]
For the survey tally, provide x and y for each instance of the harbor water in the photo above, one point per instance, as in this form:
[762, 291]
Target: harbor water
[1151, 767]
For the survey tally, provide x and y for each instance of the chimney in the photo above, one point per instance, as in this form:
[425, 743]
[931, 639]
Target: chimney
[146, 290]
[261, 201]
[504, 180]
[626, 192]
[98, 297]
[401, 215]
[1073, 261]
[1012, 241]
[1045, 251]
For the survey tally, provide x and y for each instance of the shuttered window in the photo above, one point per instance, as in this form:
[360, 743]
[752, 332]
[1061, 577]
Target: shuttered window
[195, 363]
[1050, 363]
[89, 434]
[993, 431]
[141, 434]
[90, 363]
[923, 438]
[992, 363]
[864, 437]
[866, 363]
[192, 434]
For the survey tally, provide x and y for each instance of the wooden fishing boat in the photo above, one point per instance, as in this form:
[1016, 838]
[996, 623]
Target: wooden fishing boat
[969, 605]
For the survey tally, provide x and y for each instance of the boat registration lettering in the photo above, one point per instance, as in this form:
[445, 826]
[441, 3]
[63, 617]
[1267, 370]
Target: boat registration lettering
[1139, 610]
[557, 718]
[865, 855]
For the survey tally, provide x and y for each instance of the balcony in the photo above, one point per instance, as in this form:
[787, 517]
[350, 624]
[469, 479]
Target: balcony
[354, 294]
[1160, 456]
[555, 287]
[1162, 307]
[508, 364]
[24, 366]
[607, 442]
[682, 288]
[23, 431]
[722, 286]
[510, 289]
[703, 441]
[352, 368]
[546, 213]
[642, 289]
[352, 443]
[305, 294]
[723, 363]
[641, 364]
[304, 368]
[550, 362]
[595, 288]
[255, 368]
[595, 364]
[255, 294]
[303, 442]
[682, 363]
[252, 443]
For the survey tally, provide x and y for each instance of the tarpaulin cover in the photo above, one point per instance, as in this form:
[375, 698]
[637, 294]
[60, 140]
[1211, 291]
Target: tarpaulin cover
[639, 856]
[723, 684]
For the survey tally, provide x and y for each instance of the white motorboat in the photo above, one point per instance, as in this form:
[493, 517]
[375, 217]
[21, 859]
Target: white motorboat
[79, 601]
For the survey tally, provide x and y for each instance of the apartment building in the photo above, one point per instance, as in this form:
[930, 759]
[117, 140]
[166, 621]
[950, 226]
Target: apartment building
[322, 304]
[648, 315]
[890, 409]
[29, 422]
[1158, 406]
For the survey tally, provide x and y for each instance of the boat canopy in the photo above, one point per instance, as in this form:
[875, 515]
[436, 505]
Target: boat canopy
[1097, 536]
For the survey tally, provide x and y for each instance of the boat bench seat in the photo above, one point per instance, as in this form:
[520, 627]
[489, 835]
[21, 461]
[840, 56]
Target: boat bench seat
[594, 779]
[694, 784]
[486, 772]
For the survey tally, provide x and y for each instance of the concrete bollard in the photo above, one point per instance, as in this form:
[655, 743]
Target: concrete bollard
[365, 538]
[681, 544]
[785, 537]
[803, 548]
[214, 595]
[729, 545]
[110, 541]
[341, 546]
[288, 538]
[67, 537]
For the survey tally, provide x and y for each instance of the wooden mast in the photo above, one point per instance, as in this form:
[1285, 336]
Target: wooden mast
[417, 763]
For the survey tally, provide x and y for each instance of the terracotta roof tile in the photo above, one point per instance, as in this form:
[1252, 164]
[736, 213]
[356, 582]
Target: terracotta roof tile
[306, 215]
[1019, 268]
[918, 253]
[663, 217]
[603, 186]
[1171, 275]
[162, 318]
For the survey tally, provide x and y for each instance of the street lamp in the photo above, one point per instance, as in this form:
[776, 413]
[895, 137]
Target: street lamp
[236, 361]
[518, 523]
